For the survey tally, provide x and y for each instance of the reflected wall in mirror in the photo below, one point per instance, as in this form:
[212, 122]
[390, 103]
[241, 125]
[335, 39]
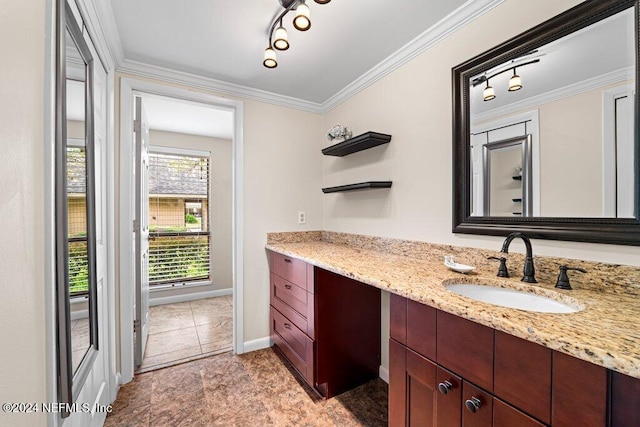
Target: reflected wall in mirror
[568, 87]
[75, 208]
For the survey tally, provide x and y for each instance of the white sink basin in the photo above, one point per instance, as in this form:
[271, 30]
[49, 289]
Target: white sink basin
[511, 298]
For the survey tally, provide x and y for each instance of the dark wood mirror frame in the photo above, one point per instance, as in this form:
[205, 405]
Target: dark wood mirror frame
[597, 230]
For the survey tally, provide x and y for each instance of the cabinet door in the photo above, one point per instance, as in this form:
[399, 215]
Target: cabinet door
[477, 406]
[522, 375]
[414, 395]
[421, 390]
[579, 392]
[625, 400]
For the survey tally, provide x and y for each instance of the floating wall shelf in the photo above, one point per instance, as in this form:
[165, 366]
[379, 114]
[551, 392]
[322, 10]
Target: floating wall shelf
[359, 186]
[358, 143]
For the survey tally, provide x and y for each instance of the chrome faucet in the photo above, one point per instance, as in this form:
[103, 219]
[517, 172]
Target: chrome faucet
[529, 271]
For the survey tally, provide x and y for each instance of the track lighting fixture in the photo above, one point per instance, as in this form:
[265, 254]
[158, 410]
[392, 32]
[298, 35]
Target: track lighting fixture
[488, 92]
[515, 82]
[278, 37]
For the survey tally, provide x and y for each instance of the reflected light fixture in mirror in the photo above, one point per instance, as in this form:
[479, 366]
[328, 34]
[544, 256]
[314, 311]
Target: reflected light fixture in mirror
[515, 82]
[488, 92]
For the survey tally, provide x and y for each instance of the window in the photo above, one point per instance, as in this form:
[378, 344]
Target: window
[77, 218]
[179, 235]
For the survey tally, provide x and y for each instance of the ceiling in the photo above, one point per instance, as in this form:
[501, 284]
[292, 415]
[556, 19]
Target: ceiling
[225, 39]
[181, 116]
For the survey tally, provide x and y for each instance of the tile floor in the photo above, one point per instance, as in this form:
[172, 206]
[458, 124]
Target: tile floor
[253, 389]
[187, 330]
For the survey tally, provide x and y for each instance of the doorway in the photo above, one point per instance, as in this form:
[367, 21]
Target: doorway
[186, 306]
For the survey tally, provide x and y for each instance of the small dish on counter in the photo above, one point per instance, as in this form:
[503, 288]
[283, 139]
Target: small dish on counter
[450, 263]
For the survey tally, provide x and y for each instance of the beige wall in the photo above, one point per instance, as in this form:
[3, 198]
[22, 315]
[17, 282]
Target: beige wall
[22, 203]
[221, 202]
[414, 105]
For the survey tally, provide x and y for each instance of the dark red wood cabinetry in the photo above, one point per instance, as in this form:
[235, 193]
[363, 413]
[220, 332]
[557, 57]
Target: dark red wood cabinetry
[326, 325]
[490, 378]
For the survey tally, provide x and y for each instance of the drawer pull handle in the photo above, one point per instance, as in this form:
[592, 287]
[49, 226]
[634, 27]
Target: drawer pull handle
[287, 260]
[287, 286]
[445, 387]
[287, 326]
[473, 404]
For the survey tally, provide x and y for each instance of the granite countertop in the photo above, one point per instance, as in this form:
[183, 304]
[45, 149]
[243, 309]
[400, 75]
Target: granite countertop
[606, 332]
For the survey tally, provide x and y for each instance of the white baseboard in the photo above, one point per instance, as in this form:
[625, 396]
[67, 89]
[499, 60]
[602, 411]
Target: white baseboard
[384, 374]
[259, 344]
[188, 297]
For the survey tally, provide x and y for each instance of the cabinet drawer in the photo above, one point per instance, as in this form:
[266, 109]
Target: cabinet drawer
[465, 348]
[291, 269]
[506, 416]
[421, 329]
[295, 345]
[483, 415]
[290, 294]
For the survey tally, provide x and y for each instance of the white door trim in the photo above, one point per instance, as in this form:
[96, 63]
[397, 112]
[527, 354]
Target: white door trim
[127, 88]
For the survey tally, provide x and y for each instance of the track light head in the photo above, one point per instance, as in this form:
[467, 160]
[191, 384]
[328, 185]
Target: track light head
[488, 92]
[270, 58]
[515, 82]
[281, 39]
[302, 21]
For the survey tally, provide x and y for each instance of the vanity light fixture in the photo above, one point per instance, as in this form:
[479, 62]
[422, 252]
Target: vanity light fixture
[278, 38]
[515, 82]
[488, 92]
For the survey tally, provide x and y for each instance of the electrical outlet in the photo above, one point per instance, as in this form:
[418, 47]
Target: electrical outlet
[302, 217]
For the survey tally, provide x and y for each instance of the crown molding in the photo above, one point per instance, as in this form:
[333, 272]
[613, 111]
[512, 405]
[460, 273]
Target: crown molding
[99, 21]
[140, 69]
[463, 15]
[617, 76]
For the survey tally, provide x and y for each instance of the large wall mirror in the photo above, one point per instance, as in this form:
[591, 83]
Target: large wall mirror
[546, 130]
[75, 208]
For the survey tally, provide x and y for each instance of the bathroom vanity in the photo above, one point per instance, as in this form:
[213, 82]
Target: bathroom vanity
[458, 361]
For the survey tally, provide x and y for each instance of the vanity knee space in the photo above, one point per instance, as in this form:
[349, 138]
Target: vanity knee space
[470, 374]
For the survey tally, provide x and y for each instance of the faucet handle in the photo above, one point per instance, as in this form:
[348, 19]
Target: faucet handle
[502, 270]
[563, 277]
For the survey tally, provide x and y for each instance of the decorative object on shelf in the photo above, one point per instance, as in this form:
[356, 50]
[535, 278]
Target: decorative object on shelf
[278, 37]
[451, 264]
[359, 186]
[338, 133]
[358, 143]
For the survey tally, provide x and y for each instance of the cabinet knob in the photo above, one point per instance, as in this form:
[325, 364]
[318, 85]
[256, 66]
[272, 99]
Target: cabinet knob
[287, 326]
[287, 286]
[445, 387]
[287, 260]
[473, 404]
